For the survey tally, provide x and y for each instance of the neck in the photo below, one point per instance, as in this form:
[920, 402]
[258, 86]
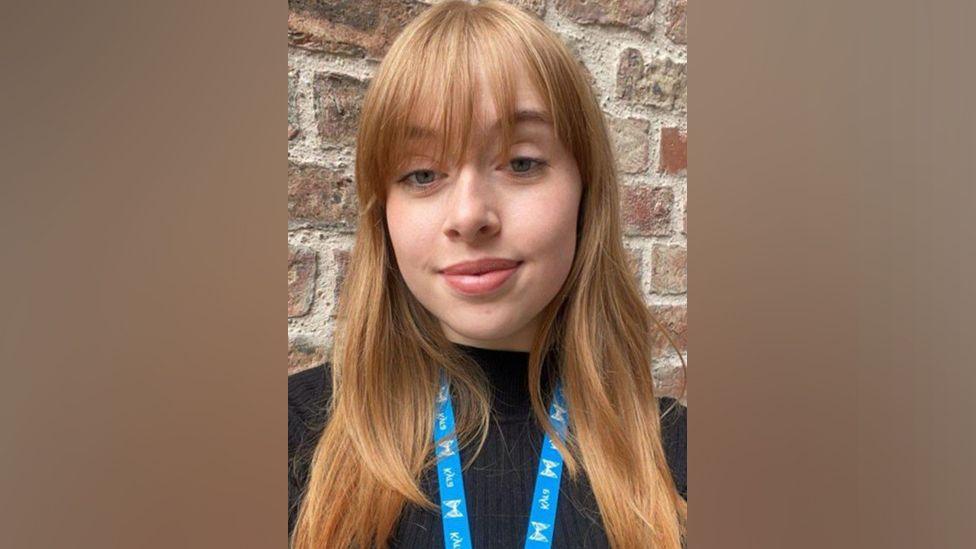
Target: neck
[507, 373]
[520, 341]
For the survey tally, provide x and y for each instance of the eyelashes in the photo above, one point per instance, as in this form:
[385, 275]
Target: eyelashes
[533, 164]
[416, 174]
[424, 179]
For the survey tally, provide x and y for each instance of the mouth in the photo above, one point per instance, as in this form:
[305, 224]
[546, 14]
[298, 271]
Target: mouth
[480, 280]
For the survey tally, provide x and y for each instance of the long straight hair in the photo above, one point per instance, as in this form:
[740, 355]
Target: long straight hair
[389, 350]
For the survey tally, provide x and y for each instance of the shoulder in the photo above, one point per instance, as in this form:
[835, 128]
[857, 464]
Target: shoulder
[674, 439]
[309, 392]
[310, 389]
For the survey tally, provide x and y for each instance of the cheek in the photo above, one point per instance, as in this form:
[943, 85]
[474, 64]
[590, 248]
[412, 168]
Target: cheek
[408, 233]
[398, 224]
[552, 226]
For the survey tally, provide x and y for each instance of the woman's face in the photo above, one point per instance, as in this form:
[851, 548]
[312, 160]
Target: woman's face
[519, 206]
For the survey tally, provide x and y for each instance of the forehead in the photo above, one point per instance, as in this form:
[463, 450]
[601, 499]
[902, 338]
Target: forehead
[527, 109]
[525, 116]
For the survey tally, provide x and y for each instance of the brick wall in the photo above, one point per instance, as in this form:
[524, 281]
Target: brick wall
[636, 54]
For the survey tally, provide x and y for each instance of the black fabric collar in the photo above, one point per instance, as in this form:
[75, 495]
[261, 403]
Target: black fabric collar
[507, 373]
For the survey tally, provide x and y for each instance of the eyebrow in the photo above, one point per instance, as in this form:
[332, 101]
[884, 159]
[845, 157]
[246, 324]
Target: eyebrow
[520, 116]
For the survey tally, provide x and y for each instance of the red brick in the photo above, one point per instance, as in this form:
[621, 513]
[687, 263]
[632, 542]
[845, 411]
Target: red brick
[320, 197]
[338, 102]
[355, 29]
[677, 21]
[661, 83]
[631, 142]
[674, 151]
[647, 210]
[669, 269]
[629, 13]
[303, 354]
[674, 319]
[669, 381]
[340, 261]
[301, 280]
[635, 260]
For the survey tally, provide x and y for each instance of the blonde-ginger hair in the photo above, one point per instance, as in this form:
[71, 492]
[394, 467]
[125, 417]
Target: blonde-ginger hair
[389, 350]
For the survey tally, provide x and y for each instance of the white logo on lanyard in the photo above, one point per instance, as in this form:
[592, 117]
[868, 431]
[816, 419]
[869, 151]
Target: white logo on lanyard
[549, 466]
[454, 512]
[537, 534]
[445, 449]
[558, 412]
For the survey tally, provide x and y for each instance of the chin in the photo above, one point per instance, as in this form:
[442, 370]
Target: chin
[482, 332]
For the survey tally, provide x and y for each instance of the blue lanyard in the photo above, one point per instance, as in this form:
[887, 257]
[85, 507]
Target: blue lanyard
[454, 510]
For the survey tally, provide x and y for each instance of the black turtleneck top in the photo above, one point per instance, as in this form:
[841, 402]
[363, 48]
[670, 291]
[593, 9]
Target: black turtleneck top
[499, 484]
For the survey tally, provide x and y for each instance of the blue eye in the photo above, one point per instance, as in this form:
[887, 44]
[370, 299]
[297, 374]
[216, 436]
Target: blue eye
[421, 177]
[529, 164]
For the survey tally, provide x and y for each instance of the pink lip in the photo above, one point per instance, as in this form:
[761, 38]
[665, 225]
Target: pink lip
[493, 273]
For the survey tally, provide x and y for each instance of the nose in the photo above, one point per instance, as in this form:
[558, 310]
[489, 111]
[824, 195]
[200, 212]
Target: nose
[472, 213]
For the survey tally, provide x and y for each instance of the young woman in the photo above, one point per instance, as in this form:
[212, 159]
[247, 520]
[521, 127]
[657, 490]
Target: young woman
[490, 384]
